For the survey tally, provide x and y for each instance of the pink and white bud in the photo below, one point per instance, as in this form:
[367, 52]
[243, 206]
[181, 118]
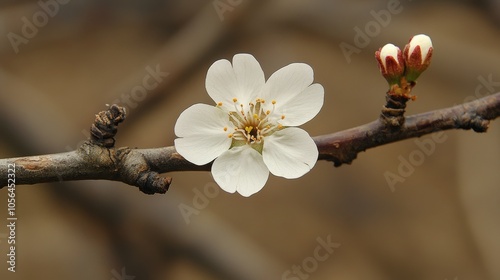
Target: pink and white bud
[417, 56]
[391, 63]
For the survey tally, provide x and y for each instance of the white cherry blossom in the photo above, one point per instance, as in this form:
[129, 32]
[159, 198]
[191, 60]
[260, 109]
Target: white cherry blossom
[251, 129]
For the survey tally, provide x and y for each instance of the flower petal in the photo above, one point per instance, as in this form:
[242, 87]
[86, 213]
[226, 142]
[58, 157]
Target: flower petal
[202, 119]
[240, 169]
[424, 42]
[202, 129]
[287, 82]
[290, 153]
[249, 74]
[242, 80]
[303, 107]
[221, 82]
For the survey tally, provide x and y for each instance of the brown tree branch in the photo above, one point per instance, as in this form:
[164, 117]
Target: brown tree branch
[343, 146]
[97, 159]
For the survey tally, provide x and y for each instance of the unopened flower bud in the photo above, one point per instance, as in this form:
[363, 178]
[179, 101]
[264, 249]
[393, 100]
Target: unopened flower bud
[391, 63]
[417, 55]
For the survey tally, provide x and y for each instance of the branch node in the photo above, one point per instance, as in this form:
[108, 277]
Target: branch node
[135, 170]
[151, 182]
[105, 126]
[476, 122]
[392, 115]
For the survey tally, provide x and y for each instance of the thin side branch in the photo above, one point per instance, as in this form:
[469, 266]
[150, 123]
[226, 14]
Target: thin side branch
[142, 167]
[343, 146]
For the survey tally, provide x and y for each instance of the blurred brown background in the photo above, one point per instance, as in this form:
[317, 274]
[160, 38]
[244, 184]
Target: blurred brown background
[441, 222]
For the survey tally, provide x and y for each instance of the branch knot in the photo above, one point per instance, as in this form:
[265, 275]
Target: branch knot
[105, 126]
[393, 112]
[476, 122]
[135, 170]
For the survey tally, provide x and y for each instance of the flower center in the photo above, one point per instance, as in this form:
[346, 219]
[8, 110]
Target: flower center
[252, 123]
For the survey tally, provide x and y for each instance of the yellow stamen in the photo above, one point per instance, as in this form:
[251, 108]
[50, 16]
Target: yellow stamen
[235, 100]
[248, 129]
[225, 128]
[230, 135]
[282, 117]
[219, 104]
[274, 102]
[255, 116]
[268, 112]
